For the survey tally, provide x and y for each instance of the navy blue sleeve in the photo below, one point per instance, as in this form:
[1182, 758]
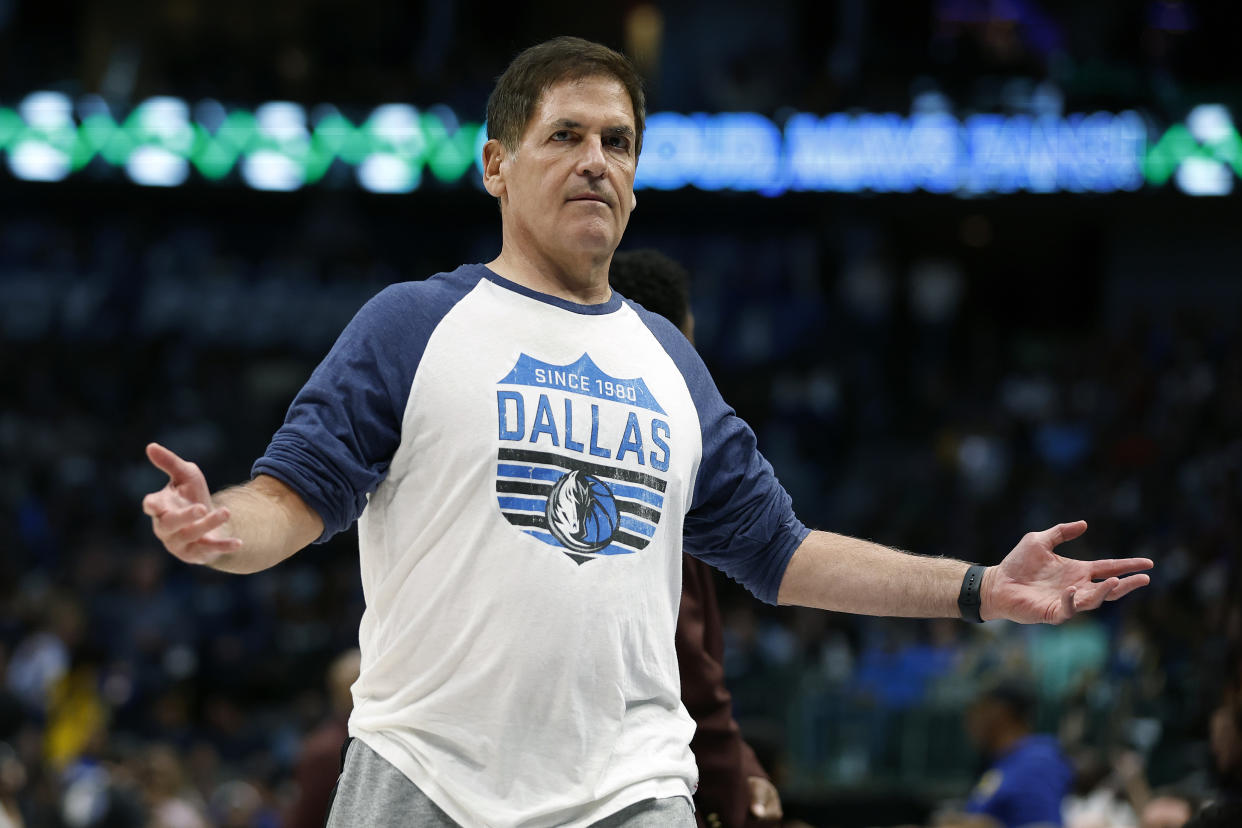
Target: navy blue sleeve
[344, 426]
[741, 519]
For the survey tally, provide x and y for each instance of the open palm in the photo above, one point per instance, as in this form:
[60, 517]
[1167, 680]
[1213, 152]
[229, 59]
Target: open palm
[1034, 585]
[182, 514]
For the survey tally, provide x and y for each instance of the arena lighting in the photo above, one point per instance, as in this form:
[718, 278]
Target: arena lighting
[156, 167]
[391, 172]
[1204, 154]
[1212, 127]
[32, 159]
[396, 148]
[283, 139]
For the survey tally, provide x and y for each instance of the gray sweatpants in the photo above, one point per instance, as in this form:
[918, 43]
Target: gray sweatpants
[371, 793]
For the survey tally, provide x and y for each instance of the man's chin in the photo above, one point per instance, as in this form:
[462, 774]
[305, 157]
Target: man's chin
[591, 238]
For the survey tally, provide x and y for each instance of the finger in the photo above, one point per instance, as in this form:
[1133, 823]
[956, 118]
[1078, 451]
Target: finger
[175, 519]
[1063, 532]
[1119, 566]
[1128, 585]
[156, 504]
[192, 532]
[208, 550]
[1090, 597]
[177, 469]
[164, 501]
[1067, 602]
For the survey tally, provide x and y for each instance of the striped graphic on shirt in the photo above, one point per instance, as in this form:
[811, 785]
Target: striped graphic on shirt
[618, 509]
[579, 454]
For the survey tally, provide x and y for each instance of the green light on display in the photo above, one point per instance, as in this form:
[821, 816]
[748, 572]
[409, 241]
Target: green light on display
[1204, 153]
[281, 146]
[272, 147]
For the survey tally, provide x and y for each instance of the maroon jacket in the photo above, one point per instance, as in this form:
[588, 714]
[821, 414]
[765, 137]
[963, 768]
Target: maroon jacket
[725, 760]
[318, 765]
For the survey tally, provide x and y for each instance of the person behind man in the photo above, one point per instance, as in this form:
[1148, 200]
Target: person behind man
[734, 789]
[319, 759]
[524, 453]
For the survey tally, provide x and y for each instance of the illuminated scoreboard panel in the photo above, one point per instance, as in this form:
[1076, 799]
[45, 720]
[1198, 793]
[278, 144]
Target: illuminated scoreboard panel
[394, 148]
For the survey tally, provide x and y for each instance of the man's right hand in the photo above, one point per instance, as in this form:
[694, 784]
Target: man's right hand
[182, 514]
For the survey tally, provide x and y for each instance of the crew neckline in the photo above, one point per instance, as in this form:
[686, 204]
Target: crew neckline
[612, 304]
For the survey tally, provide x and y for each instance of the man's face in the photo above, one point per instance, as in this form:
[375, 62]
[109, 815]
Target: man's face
[569, 188]
[982, 720]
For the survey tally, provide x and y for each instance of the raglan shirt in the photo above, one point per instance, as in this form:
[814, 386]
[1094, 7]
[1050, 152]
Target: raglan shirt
[523, 469]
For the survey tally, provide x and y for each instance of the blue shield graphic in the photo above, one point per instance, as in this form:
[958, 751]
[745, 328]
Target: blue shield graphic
[549, 486]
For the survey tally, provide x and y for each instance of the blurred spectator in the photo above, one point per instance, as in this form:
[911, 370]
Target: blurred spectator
[319, 761]
[42, 658]
[98, 792]
[734, 789]
[1100, 796]
[239, 804]
[1029, 777]
[170, 801]
[1225, 737]
[77, 716]
[12, 781]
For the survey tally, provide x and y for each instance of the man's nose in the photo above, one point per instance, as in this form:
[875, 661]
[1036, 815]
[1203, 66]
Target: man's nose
[591, 160]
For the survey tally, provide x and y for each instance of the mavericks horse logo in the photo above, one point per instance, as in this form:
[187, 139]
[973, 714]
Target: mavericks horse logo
[582, 457]
[582, 512]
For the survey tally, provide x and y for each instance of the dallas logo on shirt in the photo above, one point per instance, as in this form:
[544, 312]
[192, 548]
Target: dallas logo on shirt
[579, 453]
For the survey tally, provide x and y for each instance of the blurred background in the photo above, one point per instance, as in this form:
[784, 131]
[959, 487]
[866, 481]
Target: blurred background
[969, 267]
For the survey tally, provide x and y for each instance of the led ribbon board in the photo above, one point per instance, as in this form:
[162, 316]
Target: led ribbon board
[284, 146]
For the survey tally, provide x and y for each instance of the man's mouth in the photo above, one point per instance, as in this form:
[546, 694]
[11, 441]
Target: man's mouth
[590, 197]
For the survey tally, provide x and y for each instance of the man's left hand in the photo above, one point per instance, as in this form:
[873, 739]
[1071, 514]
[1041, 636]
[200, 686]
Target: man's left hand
[1034, 585]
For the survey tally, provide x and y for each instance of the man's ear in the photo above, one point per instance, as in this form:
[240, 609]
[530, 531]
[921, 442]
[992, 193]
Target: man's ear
[493, 176]
[633, 201]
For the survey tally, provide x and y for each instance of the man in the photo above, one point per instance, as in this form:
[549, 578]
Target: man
[524, 453]
[1029, 776]
[734, 789]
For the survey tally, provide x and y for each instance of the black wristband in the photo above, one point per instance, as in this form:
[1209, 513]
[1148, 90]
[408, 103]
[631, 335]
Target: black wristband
[969, 600]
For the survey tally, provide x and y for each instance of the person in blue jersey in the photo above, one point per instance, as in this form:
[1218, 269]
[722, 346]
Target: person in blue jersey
[524, 453]
[1028, 776]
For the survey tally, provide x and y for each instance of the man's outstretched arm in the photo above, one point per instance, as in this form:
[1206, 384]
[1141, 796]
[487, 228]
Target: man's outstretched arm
[1032, 585]
[242, 529]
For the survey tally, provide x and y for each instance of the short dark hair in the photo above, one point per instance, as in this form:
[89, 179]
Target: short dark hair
[1015, 695]
[654, 281]
[517, 92]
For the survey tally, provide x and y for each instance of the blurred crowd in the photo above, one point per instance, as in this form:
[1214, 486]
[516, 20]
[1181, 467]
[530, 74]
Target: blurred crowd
[908, 387]
[719, 56]
[894, 402]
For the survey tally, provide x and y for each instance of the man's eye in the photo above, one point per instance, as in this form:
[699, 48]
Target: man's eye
[560, 135]
[619, 142]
